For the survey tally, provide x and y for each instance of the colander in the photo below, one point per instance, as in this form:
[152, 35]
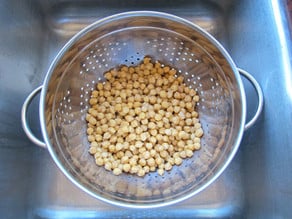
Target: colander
[125, 39]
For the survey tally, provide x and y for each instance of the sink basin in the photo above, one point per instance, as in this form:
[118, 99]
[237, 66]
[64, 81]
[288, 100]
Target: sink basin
[257, 184]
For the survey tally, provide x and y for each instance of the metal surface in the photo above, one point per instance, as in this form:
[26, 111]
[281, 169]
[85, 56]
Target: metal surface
[128, 37]
[260, 95]
[24, 118]
[257, 184]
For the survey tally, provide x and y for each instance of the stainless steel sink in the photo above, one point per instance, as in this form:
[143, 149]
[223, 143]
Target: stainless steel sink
[258, 182]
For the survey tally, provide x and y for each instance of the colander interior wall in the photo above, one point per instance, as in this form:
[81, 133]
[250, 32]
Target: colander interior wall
[126, 40]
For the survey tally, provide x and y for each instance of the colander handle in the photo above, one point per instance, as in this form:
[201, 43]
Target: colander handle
[259, 91]
[25, 125]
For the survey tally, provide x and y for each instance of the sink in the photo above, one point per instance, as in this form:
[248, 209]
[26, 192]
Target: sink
[257, 183]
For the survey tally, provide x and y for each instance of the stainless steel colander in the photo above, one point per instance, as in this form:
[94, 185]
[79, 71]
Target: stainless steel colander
[125, 39]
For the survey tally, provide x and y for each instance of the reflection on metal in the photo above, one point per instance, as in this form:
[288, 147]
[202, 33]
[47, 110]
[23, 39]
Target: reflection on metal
[286, 45]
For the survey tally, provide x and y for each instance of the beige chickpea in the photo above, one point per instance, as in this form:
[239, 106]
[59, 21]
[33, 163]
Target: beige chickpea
[117, 171]
[149, 145]
[153, 140]
[99, 86]
[133, 161]
[160, 172]
[134, 169]
[92, 150]
[158, 117]
[164, 104]
[189, 153]
[131, 137]
[142, 162]
[141, 172]
[197, 146]
[199, 132]
[126, 167]
[91, 138]
[196, 98]
[167, 166]
[163, 154]
[144, 136]
[90, 131]
[108, 166]
[99, 161]
[158, 160]
[178, 161]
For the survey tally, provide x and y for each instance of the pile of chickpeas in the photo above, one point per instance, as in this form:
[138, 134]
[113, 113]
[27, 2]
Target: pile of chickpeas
[142, 119]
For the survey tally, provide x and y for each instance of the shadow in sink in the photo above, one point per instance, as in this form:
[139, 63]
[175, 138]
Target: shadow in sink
[58, 198]
[63, 19]
[67, 18]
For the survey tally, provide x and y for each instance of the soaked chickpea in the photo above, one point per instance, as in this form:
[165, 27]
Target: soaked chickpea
[143, 119]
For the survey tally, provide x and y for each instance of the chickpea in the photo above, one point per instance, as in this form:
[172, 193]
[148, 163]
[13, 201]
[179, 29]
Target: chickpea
[108, 166]
[98, 137]
[152, 99]
[92, 120]
[139, 144]
[126, 167]
[196, 98]
[106, 135]
[149, 145]
[197, 146]
[118, 107]
[168, 132]
[146, 155]
[167, 166]
[138, 130]
[92, 150]
[134, 169]
[91, 138]
[157, 117]
[90, 131]
[164, 104]
[99, 86]
[142, 162]
[160, 172]
[142, 115]
[151, 113]
[141, 172]
[189, 153]
[117, 171]
[153, 140]
[183, 154]
[199, 132]
[151, 162]
[112, 148]
[176, 109]
[163, 154]
[131, 137]
[144, 136]
[119, 146]
[134, 123]
[133, 161]
[178, 161]
[151, 125]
